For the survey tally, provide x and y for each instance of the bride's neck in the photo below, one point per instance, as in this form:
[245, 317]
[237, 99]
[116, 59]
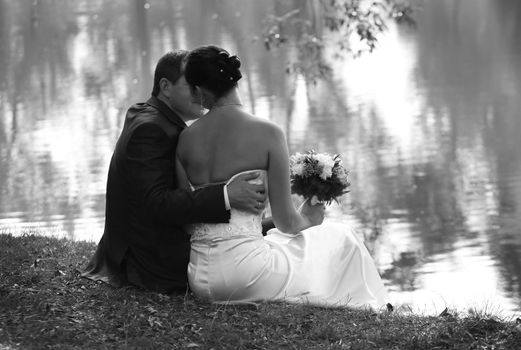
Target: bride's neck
[230, 99]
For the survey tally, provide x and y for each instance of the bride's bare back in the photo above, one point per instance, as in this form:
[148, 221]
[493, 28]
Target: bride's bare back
[223, 143]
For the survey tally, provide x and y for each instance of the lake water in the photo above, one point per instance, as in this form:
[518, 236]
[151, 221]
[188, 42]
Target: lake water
[428, 125]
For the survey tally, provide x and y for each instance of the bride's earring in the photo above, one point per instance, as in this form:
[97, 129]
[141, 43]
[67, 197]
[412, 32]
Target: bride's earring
[201, 107]
[202, 110]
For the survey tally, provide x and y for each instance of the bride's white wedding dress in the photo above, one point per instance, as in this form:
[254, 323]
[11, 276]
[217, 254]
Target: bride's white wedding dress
[325, 265]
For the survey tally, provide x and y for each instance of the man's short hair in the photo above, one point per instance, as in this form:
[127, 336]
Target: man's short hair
[170, 67]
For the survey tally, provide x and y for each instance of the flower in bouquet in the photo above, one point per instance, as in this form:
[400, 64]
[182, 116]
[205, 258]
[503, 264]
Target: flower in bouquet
[319, 177]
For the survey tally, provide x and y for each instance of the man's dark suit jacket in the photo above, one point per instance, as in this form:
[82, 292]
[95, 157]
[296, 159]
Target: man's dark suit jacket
[144, 242]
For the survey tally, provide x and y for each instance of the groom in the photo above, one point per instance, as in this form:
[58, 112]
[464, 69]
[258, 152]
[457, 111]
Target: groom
[144, 243]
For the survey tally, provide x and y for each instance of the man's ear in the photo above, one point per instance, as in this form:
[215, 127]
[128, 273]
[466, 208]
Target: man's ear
[164, 85]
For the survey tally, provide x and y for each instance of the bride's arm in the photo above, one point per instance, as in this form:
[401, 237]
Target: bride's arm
[285, 215]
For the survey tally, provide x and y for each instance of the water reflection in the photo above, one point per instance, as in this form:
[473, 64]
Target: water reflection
[428, 125]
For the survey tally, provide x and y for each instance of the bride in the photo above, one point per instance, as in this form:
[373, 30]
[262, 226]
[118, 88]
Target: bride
[299, 261]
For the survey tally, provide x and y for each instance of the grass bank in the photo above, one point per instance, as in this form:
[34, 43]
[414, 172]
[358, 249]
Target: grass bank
[45, 304]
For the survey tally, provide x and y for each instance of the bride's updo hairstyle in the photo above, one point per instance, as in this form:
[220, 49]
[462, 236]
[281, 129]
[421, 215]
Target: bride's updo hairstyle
[213, 68]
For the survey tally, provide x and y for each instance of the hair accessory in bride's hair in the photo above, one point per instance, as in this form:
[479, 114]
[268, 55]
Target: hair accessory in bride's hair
[229, 65]
[224, 55]
[234, 61]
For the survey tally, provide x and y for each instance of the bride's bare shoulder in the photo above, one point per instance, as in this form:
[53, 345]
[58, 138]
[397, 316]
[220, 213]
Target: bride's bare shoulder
[192, 131]
[265, 126]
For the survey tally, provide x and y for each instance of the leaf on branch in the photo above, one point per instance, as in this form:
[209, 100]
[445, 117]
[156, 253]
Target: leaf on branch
[362, 20]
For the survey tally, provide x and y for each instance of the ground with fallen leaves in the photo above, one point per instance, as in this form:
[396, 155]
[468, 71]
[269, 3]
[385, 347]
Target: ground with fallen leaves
[45, 304]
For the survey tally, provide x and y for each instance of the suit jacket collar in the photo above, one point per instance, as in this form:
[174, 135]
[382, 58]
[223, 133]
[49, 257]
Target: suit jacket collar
[166, 111]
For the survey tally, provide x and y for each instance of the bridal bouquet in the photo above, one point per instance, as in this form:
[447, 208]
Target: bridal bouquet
[318, 177]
